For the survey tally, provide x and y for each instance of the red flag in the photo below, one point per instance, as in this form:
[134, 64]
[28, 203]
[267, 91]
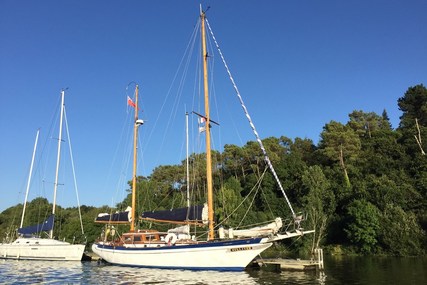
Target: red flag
[130, 102]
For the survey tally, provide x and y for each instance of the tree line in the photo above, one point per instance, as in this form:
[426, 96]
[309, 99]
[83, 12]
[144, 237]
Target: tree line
[362, 187]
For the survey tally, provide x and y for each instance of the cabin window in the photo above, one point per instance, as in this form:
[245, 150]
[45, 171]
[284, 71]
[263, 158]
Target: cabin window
[136, 238]
[151, 237]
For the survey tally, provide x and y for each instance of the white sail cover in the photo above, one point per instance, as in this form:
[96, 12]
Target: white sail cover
[271, 228]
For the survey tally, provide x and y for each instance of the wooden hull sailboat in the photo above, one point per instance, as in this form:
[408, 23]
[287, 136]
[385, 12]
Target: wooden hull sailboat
[29, 245]
[223, 250]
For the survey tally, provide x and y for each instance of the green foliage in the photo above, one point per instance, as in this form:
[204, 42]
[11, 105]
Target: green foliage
[229, 202]
[363, 225]
[414, 110]
[364, 124]
[340, 143]
[337, 138]
[319, 202]
[413, 105]
[400, 232]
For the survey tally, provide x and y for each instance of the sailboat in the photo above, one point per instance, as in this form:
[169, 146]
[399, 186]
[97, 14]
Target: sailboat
[223, 250]
[30, 245]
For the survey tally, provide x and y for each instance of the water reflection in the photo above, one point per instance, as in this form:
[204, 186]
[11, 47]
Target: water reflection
[43, 272]
[286, 277]
[51, 272]
[132, 275]
[375, 270]
[40, 272]
[338, 270]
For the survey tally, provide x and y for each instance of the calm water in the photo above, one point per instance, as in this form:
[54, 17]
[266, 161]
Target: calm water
[343, 270]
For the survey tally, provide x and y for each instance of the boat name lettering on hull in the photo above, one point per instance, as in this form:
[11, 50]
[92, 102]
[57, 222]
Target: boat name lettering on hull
[241, 248]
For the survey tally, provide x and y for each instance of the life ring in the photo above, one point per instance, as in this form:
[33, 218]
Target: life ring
[171, 239]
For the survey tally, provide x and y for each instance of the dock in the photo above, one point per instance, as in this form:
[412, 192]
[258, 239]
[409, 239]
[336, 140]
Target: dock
[293, 264]
[288, 264]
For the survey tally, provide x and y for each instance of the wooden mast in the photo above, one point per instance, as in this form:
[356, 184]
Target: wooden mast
[135, 147]
[208, 133]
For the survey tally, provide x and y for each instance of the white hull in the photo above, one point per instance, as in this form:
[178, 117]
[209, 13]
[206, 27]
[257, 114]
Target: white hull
[223, 256]
[41, 249]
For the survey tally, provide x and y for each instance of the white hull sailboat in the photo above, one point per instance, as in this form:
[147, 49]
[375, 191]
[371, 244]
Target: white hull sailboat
[177, 249]
[233, 255]
[29, 245]
[41, 249]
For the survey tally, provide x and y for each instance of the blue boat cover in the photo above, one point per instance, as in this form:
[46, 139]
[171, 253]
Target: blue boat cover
[116, 218]
[43, 227]
[194, 213]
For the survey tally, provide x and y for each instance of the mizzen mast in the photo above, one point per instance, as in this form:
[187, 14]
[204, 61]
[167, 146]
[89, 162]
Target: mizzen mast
[135, 150]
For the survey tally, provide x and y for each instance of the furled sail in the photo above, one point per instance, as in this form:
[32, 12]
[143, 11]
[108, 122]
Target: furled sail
[115, 218]
[268, 229]
[194, 214]
[43, 227]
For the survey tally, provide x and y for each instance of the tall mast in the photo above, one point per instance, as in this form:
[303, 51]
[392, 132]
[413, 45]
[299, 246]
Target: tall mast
[208, 133]
[58, 158]
[135, 148]
[29, 178]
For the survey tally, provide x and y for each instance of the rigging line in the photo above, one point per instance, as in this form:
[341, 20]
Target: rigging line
[126, 158]
[160, 113]
[74, 172]
[47, 147]
[179, 92]
[266, 158]
[175, 106]
[268, 204]
[212, 92]
[122, 144]
[256, 186]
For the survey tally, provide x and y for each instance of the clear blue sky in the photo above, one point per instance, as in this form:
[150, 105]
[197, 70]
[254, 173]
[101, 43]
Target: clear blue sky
[298, 64]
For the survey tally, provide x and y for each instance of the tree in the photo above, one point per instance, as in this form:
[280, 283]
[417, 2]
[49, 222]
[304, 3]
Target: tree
[233, 159]
[228, 202]
[413, 105]
[172, 177]
[413, 122]
[363, 224]
[364, 124]
[319, 202]
[400, 232]
[304, 148]
[339, 143]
